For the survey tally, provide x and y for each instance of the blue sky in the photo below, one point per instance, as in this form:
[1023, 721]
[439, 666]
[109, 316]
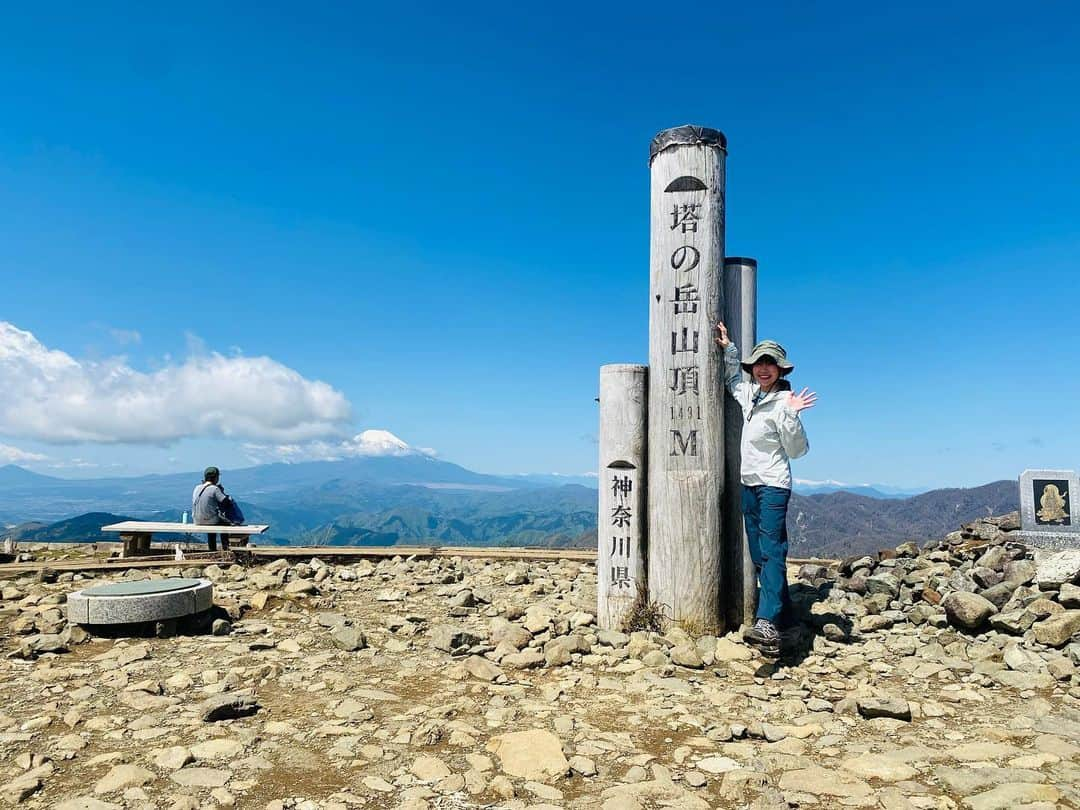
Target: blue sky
[441, 215]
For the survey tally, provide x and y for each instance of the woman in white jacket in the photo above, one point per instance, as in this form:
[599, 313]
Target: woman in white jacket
[772, 435]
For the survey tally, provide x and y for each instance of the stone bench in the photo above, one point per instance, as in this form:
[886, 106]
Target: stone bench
[137, 534]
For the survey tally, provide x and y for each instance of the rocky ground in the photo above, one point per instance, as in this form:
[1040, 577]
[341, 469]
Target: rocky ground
[936, 678]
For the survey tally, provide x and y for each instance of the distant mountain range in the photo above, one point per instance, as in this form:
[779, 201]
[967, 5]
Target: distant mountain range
[804, 487]
[29, 495]
[842, 523]
[415, 499]
[373, 500]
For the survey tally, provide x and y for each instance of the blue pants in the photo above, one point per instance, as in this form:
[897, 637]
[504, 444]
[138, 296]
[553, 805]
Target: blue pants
[765, 513]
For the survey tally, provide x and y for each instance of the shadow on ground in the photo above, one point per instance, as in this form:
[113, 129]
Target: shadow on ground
[804, 625]
[197, 624]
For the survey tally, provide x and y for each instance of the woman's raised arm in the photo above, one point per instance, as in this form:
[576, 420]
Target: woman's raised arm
[732, 366]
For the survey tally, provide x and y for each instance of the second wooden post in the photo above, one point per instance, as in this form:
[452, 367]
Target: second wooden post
[621, 549]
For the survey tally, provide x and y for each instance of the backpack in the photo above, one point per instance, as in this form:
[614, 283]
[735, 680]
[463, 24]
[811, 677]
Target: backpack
[230, 511]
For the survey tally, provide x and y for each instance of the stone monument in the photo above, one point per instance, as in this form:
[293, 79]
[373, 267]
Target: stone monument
[1050, 509]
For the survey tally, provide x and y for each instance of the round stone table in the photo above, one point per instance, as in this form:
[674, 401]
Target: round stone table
[148, 600]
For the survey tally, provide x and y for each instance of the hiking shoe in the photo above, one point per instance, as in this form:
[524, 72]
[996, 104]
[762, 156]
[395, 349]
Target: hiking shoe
[764, 636]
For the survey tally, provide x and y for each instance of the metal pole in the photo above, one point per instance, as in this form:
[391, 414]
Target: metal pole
[740, 317]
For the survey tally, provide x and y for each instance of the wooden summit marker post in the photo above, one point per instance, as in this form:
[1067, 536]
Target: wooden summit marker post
[686, 421]
[620, 557]
[740, 317]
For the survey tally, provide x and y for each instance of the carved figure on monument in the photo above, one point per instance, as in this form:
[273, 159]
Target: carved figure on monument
[1054, 507]
[772, 435]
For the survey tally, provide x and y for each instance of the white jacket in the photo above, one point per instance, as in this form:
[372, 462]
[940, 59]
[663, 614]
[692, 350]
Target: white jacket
[772, 432]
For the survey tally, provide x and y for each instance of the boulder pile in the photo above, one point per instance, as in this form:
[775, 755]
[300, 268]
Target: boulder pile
[977, 580]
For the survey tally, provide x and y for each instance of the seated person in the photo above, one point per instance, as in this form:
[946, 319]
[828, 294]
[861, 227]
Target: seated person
[210, 506]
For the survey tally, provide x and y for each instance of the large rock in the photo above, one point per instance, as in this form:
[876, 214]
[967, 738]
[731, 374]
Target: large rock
[718, 764]
[728, 650]
[829, 782]
[430, 769]
[557, 655]
[20, 788]
[896, 708]
[986, 577]
[200, 777]
[450, 637]
[1044, 608]
[967, 611]
[686, 655]
[994, 558]
[612, 638]
[301, 587]
[536, 754]
[228, 707]
[221, 748]
[506, 632]
[1013, 795]
[1069, 596]
[883, 583]
[483, 669]
[982, 529]
[174, 758]
[1021, 660]
[1059, 629]
[538, 618]
[1013, 622]
[999, 594]
[43, 643]
[910, 549]
[1054, 568]
[523, 660]
[879, 766]
[123, 776]
[348, 638]
[1019, 572]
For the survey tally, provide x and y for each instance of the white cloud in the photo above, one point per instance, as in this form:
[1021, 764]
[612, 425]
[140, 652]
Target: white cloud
[13, 455]
[75, 464]
[125, 336]
[52, 397]
[367, 443]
